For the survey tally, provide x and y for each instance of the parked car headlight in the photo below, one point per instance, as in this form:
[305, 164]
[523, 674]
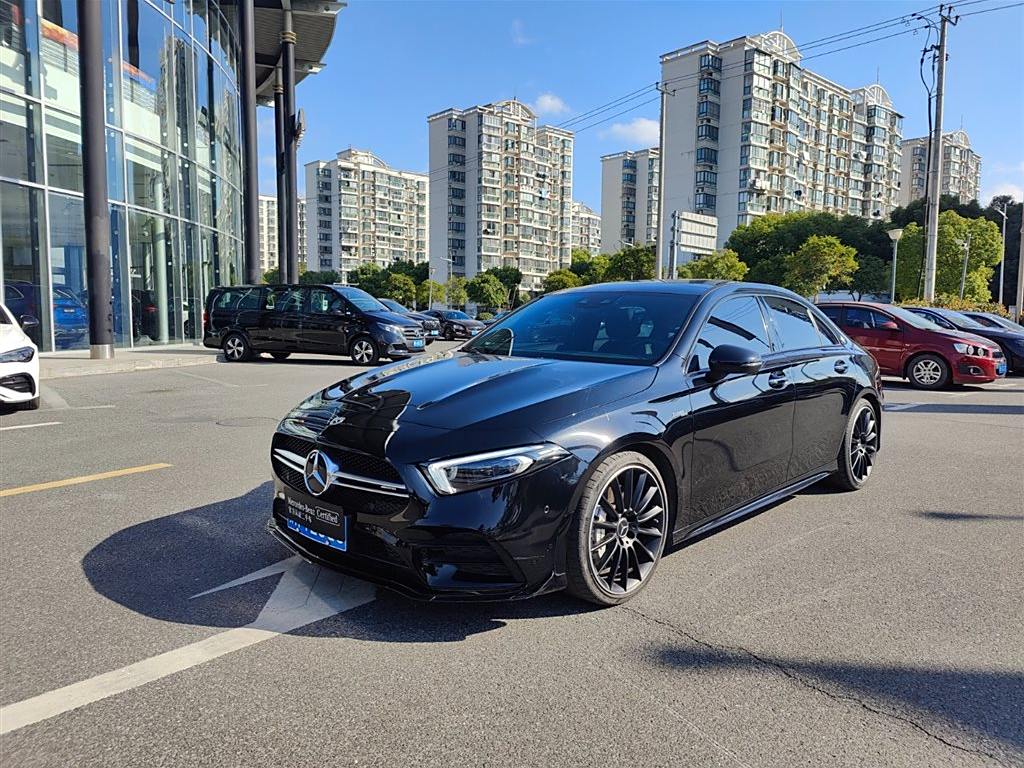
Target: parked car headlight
[467, 472]
[19, 355]
[969, 349]
[395, 329]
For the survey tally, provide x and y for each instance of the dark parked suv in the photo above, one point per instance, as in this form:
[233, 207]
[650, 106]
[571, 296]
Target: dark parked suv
[245, 320]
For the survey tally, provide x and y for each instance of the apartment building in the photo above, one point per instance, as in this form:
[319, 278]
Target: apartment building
[750, 131]
[362, 211]
[961, 168]
[267, 209]
[500, 192]
[629, 199]
[693, 235]
[586, 228]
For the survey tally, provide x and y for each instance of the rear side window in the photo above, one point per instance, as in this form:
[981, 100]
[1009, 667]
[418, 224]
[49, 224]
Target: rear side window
[835, 314]
[324, 300]
[794, 326]
[285, 300]
[865, 319]
[737, 321]
[238, 298]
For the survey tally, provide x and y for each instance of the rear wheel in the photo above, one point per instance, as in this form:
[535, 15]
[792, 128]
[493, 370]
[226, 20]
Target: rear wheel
[619, 530]
[859, 449]
[280, 355]
[364, 351]
[928, 372]
[237, 348]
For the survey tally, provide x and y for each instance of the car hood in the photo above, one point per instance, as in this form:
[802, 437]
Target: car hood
[468, 323]
[395, 318]
[970, 336]
[996, 334]
[12, 337]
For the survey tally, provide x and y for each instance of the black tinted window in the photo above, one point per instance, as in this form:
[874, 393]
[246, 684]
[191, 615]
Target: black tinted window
[865, 319]
[285, 300]
[238, 298]
[835, 314]
[324, 300]
[601, 326]
[793, 324]
[737, 321]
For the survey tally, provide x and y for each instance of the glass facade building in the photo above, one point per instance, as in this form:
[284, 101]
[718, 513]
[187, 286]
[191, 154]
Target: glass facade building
[174, 166]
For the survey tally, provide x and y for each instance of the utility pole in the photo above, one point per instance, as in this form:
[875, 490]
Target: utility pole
[1020, 273]
[967, 255]
[673, 266]
[1002, 262]
[658, 270]
[935, 170]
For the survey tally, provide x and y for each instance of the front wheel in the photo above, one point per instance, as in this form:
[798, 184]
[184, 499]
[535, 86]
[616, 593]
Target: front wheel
[365, 351]
[237, 348]
[619, 530]
[31, 405]
[449, 334]
[859, 449]
[928, 372]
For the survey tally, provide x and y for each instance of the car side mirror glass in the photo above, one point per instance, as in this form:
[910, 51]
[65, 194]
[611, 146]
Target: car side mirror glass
[727, 359]
[890, 325]
[28, 322]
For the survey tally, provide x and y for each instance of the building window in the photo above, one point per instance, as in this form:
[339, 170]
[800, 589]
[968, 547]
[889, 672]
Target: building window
[704, 200]
[707, 177]
[457, 176]
[708, 85]
[707, 132]
[710, 61]
[711, 109]
[456, 141]
[707, 155]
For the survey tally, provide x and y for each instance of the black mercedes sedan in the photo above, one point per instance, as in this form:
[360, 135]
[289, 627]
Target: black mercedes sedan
[524, 462]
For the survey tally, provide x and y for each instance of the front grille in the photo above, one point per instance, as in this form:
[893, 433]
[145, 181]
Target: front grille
[352, 462]
[19, 382]
[413, 333]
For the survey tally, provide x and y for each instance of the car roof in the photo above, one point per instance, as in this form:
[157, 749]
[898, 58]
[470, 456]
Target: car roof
[869, 304]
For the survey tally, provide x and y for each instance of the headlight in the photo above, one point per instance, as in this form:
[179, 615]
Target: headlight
[462, 474]
[969, 349]
[19, 355]
[395, 329]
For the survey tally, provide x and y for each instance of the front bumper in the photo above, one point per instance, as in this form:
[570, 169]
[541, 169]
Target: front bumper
[500, 542]
[969, 369]
[19, 382]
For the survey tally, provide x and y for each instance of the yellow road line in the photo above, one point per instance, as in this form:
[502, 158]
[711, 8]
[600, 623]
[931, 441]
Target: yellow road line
[82, 479]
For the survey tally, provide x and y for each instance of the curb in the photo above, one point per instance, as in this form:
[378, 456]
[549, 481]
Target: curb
[100, 367]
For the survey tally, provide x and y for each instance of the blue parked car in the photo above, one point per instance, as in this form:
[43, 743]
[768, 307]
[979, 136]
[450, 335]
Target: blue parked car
[70, 316]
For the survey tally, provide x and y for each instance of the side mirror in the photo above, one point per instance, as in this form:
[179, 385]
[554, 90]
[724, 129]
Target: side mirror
[29, 322]
[889, 325]
[726, 359]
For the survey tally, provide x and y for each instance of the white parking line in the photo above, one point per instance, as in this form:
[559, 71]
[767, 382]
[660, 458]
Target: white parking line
[207, 378]
[32, 426]
[304, 594]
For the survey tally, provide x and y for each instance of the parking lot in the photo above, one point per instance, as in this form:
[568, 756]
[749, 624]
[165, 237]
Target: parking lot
[147, 619]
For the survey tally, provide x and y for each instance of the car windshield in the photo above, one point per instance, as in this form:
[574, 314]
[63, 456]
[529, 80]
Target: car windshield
[456, 315]
[914, 319]
[362, 300]
[958, 318]
[393, 305]
[1001, 322]
[632, 328]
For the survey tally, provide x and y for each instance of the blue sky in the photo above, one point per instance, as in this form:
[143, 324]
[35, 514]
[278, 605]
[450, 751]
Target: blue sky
[393, 63]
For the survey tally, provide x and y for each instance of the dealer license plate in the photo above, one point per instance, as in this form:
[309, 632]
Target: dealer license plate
[324, 526]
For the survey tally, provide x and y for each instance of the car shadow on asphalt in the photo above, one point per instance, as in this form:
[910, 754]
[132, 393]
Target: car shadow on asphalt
[981, 702]
[154, 568]
[972, 408]
[956, 517]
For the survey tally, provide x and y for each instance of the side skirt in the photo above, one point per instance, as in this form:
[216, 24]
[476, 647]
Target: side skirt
[752, 507]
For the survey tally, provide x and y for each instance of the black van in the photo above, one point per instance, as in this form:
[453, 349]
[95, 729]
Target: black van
[245, 320]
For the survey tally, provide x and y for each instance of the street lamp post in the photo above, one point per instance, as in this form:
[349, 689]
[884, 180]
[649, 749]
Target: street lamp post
[967, 255]
[1002, 262]
[894, 235]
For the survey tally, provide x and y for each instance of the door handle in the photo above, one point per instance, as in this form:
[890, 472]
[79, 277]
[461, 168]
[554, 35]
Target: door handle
[777, 379]
[840, 366]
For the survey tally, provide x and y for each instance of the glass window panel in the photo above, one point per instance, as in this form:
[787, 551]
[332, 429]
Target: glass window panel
[59, 53]
[63, 150]
[738, 322]
[20, 139]
[150, 49]
[19, 46]
[203, 108]
[200, 27]
[185, 113]
[187, 189]
[155, 281]
[111, 55]
[206, 191]
[21, 239]
[793, 324]
[191, 283]
[152, 179]
[67, 267]
[121, 284]
[115, 165]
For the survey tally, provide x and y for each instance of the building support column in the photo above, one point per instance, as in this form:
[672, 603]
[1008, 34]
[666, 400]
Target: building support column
[282, 182]
[292, 209]
[94, 173]
[250, 154]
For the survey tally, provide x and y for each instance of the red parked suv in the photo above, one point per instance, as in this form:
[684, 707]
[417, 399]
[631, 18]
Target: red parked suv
[909, 346]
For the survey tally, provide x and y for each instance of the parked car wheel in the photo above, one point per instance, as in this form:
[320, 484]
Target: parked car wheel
[619, 530]
[279, 356]
[237, 348]
[860, 446]
[928, 371]
[449, 334]
[31, 405]
[364, 351]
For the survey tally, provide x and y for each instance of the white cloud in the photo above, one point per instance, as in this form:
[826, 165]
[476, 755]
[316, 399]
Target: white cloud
[638, 132]
[1002, 188]
[549, 104]
[519, 36]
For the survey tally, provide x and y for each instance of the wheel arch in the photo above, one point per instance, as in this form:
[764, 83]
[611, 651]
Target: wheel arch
[920, 353]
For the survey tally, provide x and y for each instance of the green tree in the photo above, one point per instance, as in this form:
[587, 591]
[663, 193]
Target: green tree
[310, 278]
[510, 277]
[1012, 249]
[872, 276]
[370, 278]
[820, 264]
[635, 262]
[272, 276]
[559, 279]
[487, 291]
[455, 290]
[428, 292]
[916, 210]
[401, 288]
[416, 270]
[589, 269]
[984, 255]
[720, 265]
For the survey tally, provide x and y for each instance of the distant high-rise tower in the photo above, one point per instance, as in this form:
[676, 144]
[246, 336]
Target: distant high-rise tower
[586, 228]
[961, 168]
[629, 199]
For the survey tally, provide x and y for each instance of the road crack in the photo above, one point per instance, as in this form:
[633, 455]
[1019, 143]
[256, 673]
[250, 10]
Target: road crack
[810, 684]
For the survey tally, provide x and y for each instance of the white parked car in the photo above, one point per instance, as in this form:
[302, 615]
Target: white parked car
[19, 362]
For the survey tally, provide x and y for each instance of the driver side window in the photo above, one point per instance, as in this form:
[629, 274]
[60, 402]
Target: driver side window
[737, 321]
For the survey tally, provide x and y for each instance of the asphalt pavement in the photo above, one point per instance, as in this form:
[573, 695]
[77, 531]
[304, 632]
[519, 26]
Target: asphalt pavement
[146, 618]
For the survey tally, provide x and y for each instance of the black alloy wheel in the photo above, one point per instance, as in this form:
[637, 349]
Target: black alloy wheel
[860, 448]
[449, 333]
[621, 528]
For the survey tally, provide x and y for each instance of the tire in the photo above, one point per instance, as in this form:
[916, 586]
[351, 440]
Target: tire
[928, 371]
[31, 405]
[449, 334]
[279, 356]
[599, 538]
[860, 445]
[237, 348]
[364, 351]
